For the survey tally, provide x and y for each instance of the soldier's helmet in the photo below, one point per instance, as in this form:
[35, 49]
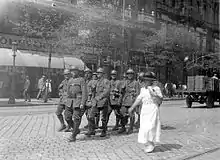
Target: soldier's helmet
[87, 70]
[74, 68]
[66, 71]
[113, 72]
[130, 71]
[100, 70]
[141, 74]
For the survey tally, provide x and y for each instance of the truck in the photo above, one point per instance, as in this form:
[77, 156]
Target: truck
[202, 89]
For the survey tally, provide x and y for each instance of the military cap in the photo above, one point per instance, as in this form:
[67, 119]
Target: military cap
[100, 70]
[113, 72]
[94, 73]
[141, 74]
[87, 70]
[66, 71]
[130, 71]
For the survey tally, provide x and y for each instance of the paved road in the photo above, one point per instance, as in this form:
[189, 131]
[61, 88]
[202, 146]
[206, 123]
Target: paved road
[30, 133]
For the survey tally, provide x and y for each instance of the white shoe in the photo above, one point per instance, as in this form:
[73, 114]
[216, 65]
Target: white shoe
[149, 148]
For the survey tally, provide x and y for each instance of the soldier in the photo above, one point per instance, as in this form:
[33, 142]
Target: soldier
[63, 97]
[88, 79]
[100, 103]
[115, 99]
[138, 109]
[77, 95]
[97, 116]
[130, 90]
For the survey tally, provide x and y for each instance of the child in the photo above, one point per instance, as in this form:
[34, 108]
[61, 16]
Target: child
[151, 97]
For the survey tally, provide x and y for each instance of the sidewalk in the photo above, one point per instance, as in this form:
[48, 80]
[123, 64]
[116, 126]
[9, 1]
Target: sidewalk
[20, 102]
[53, 101]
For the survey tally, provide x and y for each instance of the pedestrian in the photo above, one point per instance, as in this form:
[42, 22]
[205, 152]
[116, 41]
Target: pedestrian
[100, 103]
[41, 86]
[77, 96]
[26, 92]
[63, 97]
[48, 89]
[150, 128]
[130, 90]
[115, 99]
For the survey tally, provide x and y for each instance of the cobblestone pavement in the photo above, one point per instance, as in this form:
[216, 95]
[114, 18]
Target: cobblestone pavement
[30, 134]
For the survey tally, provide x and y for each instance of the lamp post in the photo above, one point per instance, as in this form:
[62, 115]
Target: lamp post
[12, 95]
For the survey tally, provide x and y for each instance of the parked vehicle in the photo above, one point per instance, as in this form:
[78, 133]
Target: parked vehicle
[202, 89]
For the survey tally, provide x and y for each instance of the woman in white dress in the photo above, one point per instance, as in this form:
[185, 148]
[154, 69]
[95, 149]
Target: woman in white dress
[151, 98]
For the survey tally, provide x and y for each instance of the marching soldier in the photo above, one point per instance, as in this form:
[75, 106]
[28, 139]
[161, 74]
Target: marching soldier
[97, 116]
[63, 97]
[130, 90]
[88, 79]
[100, 103]
[77, 95]
[115, 97]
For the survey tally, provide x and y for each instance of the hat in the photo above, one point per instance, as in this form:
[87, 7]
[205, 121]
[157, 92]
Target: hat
[113, 72]
[100, 70]
[130, 71]
[66, 71]
[149, 76]
[94, 73]
[141, 74]
[87, 70]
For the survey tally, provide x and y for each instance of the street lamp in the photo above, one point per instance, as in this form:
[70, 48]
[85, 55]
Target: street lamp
[12, 95]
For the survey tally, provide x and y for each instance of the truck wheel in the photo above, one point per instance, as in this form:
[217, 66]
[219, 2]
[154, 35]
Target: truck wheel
[189, 101]
[210, 101]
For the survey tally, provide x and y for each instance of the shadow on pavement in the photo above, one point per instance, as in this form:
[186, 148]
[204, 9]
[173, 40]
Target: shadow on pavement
[167, 147]
[166, 127]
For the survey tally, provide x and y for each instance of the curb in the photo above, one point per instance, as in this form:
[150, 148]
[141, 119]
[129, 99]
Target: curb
[28, 104]
[174, 99]
[56, 103]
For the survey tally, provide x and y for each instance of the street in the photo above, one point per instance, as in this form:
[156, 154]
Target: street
[187, 134]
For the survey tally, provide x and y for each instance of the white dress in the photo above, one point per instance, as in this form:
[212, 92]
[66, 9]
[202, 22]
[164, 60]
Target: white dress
[149, 119]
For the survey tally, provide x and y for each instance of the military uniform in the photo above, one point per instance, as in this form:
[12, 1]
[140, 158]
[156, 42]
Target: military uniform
[100, 104]
[77, 95]
[130, 91]
[115, 100]
[61, 106]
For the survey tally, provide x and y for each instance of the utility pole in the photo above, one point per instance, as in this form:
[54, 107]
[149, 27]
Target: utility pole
[123, 34]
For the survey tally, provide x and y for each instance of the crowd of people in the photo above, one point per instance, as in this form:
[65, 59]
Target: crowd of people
[95, 96]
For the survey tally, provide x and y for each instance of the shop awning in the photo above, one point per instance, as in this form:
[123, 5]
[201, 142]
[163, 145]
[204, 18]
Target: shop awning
[28, 59]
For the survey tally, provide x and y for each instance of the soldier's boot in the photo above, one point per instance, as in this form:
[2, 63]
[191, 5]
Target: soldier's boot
[115, 128]
[75, 131]
[91, 126]
[69, 127]
[130, 129]
[103, 133]
[86, 126]
[97, 118]
[123, 123]
[62, 124]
